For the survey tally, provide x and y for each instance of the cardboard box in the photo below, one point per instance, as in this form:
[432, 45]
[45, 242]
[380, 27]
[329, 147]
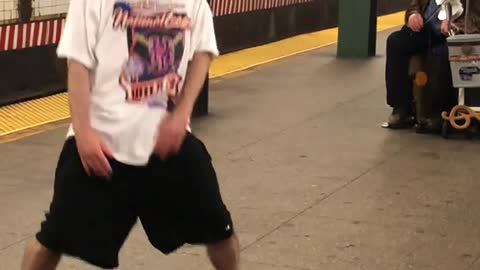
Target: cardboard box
[464, 54]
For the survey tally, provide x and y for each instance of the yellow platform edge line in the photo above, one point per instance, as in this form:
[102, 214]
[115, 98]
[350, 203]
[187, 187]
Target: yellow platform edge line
[248, 58]
[21, 116]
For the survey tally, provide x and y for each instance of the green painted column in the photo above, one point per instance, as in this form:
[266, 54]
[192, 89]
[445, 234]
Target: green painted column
[357, 24]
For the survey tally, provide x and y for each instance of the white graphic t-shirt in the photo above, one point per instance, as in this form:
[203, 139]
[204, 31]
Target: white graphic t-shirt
[138, 52]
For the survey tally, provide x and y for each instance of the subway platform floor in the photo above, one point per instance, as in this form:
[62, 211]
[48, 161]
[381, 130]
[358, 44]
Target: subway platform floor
[311, 179]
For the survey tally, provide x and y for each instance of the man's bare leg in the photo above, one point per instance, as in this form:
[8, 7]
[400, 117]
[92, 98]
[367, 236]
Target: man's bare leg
[38, 257]
[225, 255]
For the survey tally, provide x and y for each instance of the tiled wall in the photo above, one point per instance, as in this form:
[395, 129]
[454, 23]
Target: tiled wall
[8, 8]
[49, 7]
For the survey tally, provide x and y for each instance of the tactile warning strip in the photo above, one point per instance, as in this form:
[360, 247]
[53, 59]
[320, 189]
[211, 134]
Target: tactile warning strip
[20, 116]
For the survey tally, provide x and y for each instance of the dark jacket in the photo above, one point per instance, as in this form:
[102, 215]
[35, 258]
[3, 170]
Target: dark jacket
[473, 18]
[416, 6]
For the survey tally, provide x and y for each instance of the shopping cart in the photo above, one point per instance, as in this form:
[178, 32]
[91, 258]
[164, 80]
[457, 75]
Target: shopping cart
[464, 55]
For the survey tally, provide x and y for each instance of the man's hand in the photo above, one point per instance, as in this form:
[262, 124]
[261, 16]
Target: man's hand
[415, 22]
[94, 154]
[173, 129]
[449, 29]
[171, 133]
[445, 27]
[91, 148]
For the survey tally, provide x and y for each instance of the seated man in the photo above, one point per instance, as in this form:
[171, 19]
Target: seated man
[415, 37]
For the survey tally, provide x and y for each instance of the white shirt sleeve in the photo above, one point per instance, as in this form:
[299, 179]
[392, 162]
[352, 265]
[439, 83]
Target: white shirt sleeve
[457, 9]
[79, 36]
[203, 31]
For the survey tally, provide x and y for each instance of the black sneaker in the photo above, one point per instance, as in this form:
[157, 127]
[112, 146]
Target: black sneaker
[401, 118]
[429, 126]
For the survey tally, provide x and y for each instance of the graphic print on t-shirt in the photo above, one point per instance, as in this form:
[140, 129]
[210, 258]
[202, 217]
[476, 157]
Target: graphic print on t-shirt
[156, 42]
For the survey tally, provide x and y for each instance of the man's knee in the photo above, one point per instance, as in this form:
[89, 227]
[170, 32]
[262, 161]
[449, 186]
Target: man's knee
[231, 243]
[395, 41]
[38, 256]
[225, 255]
[34, 247]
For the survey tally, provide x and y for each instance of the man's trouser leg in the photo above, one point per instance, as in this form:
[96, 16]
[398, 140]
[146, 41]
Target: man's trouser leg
[401, 46]
[442, 94]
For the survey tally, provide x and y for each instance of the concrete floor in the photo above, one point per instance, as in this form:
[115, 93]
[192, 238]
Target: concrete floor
[312, 180]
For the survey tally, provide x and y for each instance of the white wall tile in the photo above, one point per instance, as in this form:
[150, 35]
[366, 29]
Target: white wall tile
[8, 10]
